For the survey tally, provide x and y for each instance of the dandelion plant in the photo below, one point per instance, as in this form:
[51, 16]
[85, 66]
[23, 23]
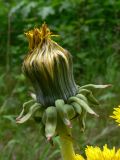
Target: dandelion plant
[57, 99]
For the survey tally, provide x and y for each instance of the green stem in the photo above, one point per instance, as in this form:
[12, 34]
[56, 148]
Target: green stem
[67, 149]
[66, 141]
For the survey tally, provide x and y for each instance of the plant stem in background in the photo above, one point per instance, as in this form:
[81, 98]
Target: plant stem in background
[8, 44]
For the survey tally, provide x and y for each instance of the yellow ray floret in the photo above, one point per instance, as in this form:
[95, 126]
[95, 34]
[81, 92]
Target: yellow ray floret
[116, 114]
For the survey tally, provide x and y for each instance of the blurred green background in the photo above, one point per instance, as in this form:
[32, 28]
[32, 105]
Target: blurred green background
[90, 30]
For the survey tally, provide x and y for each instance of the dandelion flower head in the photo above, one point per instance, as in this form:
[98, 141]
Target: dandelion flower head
[95, 153]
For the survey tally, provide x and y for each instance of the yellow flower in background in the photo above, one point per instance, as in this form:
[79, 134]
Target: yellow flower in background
[116, 114]
[95, 153]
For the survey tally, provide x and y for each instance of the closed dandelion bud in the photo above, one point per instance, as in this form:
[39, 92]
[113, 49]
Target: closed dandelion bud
[49, 67]
[57, 99]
